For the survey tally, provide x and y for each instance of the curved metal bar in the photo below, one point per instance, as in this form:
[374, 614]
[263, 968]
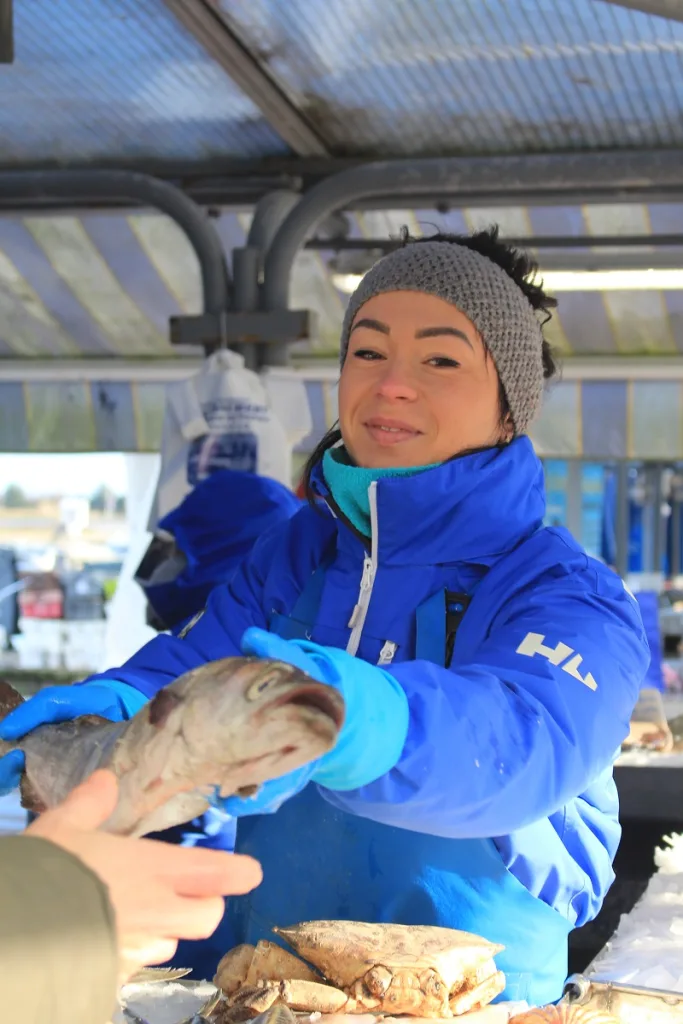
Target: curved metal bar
[522, 179]
[269, 214]
[140, 189]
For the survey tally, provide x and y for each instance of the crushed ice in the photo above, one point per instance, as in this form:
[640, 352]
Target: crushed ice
[647, 948]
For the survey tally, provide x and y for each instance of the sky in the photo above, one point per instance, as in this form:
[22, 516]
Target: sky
[56, 475]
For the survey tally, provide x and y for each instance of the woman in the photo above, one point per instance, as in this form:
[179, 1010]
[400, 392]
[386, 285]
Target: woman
[488, 665]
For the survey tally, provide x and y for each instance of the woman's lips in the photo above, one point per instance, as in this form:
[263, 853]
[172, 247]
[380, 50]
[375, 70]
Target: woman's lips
[388, 432]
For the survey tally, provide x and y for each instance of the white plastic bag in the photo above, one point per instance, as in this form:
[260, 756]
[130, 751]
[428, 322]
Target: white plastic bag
[223, 418]
[286, 391]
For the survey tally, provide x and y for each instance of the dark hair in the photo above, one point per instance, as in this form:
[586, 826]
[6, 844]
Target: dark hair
[518, 265]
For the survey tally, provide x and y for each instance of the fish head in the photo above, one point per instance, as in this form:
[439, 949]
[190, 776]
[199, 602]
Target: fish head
[265, 718]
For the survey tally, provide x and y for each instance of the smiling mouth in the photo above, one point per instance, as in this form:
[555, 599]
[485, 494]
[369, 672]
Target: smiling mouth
[385, 433]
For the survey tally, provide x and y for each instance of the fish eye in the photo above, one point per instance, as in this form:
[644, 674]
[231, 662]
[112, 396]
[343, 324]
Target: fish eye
[261, 686]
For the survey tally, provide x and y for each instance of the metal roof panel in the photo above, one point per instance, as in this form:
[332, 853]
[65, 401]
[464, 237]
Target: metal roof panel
[471, 76]
[119, 80]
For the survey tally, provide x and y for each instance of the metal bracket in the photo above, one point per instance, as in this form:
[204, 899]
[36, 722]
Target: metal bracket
[215, 330]
[6, 32]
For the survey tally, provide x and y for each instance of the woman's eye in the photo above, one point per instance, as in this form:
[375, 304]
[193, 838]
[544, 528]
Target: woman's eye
[366, 353]
[442, 361]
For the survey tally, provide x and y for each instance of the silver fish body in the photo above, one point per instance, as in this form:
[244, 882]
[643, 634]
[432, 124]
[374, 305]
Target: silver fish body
[231, 724]
[277, 1014]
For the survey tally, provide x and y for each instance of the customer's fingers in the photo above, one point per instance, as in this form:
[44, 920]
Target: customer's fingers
[192, 871]
[136, 952]
[165, 915]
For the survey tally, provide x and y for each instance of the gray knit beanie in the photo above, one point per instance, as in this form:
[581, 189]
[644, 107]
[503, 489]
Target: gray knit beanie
[487, 296]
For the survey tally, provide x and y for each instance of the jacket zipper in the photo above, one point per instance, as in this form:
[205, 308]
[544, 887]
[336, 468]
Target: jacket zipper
[386, 655]
[357, 620]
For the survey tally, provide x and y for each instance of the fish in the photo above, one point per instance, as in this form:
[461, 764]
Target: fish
[229, 725]
[125, 1015]
[277, 1014]
[152, 975]
[205, 1012]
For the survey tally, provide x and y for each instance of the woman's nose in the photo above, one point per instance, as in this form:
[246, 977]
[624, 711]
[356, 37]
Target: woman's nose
[395, 384]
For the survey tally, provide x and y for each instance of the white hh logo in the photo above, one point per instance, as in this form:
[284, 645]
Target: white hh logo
[533, 644]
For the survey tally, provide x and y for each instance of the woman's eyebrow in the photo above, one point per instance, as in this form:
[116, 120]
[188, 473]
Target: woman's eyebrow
[435, 332]
[373, 325]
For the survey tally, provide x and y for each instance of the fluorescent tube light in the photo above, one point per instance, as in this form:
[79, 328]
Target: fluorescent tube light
[347, 283]
[611, 280]
[575, 280]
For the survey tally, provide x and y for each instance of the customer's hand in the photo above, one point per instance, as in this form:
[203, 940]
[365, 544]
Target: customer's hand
[160, 893]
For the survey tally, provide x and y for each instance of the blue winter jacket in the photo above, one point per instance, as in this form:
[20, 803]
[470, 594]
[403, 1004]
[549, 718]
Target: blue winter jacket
[515, 741]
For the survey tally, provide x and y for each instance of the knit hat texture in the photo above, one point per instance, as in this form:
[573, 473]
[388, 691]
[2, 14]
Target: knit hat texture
[487, 296]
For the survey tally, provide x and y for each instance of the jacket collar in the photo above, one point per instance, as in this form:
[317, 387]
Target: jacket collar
[472, 508]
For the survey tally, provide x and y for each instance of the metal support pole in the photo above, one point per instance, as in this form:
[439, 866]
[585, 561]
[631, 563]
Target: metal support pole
[245, 275]
[675, 567]
[269, 215]
[260, 336]
[659, 523]
[622, 524]
[574, 498]
[141, 189]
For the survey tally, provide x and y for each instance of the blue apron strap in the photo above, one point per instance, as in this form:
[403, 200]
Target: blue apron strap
[439, 617]
[437, 622]
[298, 624]
[430, 640]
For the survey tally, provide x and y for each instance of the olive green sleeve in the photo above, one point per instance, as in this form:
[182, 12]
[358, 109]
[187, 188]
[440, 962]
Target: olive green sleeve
[58, 956]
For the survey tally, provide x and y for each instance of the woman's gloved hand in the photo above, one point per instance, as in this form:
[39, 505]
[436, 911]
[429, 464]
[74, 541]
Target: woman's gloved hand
[11, 769]
[109, 699]
[373, 735]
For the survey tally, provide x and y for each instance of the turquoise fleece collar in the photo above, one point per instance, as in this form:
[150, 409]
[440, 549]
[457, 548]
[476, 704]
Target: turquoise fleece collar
[349, 485]
[471, 508]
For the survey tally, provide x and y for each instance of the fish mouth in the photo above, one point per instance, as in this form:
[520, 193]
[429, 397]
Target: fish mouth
[317, 696]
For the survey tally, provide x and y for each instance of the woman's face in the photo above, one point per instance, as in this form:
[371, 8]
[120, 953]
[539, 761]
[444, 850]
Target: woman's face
[417, 386]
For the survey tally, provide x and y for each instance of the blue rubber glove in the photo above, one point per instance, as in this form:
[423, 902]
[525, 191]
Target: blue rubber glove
[371, 740]
[11, 768]
[111, 699]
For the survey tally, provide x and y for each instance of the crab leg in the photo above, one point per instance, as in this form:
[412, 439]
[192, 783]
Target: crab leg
[312, 996]
[271, 962]
[478, 997]
[233, 968]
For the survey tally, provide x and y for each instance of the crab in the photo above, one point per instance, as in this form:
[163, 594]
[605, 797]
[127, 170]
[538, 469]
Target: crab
[355, 967]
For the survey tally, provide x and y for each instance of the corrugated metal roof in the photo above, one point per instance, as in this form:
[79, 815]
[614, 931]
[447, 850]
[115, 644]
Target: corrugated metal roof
[124, 80]
[106, 284]
[471, 76]
[119, 80]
